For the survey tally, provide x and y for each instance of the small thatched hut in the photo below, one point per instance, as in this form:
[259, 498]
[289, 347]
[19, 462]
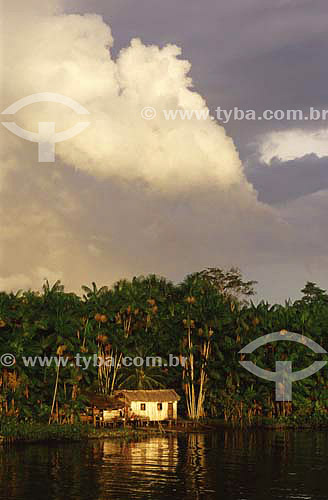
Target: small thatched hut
[103, 409]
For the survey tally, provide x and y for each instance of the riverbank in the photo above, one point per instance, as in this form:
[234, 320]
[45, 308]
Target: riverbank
[13, 431]
[300, 422]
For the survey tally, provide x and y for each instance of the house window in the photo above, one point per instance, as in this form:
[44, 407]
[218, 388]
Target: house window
[143, 406]
[159, 406]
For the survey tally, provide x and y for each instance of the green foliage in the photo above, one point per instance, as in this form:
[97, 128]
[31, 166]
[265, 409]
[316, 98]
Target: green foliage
[205, 318]
[26, 431]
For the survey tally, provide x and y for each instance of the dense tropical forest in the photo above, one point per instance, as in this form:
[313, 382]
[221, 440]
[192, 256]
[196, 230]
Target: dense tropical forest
[206, 319]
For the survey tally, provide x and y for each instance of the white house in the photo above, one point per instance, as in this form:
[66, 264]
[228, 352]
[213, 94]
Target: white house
[155, 405]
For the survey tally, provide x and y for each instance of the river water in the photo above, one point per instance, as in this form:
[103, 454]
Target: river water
[227, 465]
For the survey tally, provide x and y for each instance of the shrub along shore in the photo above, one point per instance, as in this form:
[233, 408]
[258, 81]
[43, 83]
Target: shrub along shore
[13, 431]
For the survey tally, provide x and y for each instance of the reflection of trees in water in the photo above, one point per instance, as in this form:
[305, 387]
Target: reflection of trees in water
[269, 461]
[278, 442]
[220, 465]
[195, 465]
[46, 471]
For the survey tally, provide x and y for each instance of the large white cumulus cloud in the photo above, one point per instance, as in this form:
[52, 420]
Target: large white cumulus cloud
[70, 55]
[146, 196]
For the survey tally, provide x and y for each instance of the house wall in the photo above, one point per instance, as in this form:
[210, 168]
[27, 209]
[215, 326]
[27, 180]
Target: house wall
[111, 414]
[151, 410]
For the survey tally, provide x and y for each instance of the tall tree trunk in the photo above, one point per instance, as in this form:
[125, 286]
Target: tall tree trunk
[55, 394]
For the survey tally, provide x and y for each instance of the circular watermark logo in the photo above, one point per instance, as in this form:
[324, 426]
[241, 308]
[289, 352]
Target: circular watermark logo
[283, 376]
[148, 113]
[7, 360]
[46, 137]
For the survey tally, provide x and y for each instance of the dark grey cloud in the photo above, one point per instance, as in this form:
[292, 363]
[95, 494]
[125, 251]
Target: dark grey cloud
[285, 181]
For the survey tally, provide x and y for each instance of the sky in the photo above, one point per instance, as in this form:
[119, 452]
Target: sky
[129, 196]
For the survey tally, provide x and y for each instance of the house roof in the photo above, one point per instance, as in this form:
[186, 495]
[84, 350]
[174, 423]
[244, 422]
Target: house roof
[105, 402]
[157, 396]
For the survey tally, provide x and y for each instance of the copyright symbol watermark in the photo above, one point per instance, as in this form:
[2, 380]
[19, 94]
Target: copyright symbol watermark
[7, 360]
[148, 113]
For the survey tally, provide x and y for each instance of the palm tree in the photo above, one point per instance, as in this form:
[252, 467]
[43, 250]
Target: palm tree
[143, 377]
[94, 292]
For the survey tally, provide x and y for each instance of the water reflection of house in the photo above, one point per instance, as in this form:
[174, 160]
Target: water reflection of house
[159, 452]
[129, 405]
